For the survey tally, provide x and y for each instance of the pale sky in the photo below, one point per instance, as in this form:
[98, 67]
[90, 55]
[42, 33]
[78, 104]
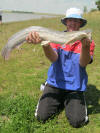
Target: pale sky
[46, 6]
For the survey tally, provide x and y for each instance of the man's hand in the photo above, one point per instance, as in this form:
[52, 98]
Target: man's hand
[85, 42]
[33, 37]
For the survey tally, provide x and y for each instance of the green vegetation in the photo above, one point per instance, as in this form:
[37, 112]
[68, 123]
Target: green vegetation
[22, 75]
[98, 4]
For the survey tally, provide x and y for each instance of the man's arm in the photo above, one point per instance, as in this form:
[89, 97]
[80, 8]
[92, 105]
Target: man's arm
[85, 56]
[34, 38]
[50, 53]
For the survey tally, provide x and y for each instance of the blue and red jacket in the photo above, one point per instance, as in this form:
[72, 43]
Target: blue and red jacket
[66, 73]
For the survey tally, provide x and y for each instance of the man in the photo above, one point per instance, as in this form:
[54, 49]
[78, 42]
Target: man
[67, 77]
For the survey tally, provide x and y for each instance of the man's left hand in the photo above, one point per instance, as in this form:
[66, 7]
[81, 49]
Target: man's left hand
[85, 42]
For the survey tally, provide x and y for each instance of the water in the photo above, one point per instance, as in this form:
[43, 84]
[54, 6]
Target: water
[12, 17]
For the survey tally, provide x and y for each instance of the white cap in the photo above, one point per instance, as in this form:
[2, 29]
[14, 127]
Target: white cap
[74, 13]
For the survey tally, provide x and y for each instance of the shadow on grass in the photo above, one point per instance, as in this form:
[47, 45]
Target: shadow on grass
[93, 99]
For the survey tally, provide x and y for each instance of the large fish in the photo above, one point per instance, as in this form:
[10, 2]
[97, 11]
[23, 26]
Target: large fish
[46, 35]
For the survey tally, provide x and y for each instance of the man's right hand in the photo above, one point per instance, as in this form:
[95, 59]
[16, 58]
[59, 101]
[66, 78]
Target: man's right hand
[33, 37]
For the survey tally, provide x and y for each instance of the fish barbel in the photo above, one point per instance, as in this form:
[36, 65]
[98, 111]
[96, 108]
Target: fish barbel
[46, 35]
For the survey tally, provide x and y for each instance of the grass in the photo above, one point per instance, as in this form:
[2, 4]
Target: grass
[22, 75]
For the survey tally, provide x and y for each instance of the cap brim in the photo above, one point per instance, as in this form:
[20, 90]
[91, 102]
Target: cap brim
[84, 21]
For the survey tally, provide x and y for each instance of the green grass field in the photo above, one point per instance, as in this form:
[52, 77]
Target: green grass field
[22, 75]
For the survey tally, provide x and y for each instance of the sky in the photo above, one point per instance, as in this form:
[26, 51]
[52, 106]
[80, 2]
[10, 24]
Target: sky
[46, 6]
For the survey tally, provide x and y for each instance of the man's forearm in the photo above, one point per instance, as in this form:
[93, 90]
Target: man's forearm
[50, 53]
[85, 57]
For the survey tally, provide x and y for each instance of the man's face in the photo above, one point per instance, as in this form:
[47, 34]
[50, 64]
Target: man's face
[73, 24]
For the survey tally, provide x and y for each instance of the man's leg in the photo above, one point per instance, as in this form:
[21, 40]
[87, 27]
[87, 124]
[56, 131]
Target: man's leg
[50, 103]
[76, 110]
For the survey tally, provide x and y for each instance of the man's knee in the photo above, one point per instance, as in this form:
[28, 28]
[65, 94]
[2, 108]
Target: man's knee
[42, 117]
[77, 122]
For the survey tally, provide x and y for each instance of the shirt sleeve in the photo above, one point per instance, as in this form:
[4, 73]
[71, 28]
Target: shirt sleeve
[92, 47]
[55, 46]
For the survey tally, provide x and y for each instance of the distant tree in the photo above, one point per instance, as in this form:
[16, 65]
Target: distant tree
[85, 9]
[98, 4]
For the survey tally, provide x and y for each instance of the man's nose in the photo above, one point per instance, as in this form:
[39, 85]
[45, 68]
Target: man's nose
[72, 22]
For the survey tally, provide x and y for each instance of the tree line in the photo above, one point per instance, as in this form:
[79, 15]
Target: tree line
[97, 3]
